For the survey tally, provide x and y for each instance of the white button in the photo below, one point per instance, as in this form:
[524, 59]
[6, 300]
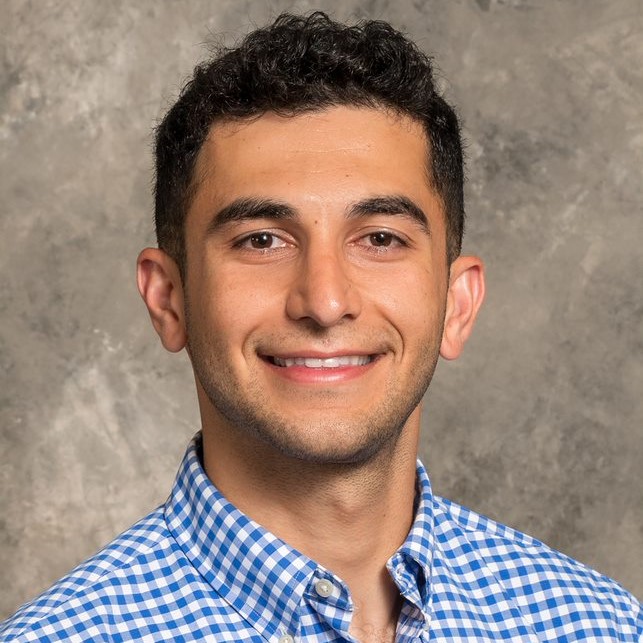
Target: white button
[286, 638]
[324, 588]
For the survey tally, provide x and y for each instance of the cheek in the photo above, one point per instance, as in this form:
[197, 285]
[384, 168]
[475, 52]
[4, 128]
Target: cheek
[226, 306]
[413, 303]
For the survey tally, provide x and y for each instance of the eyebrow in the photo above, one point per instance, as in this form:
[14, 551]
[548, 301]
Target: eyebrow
[251, 208]
[391, 205]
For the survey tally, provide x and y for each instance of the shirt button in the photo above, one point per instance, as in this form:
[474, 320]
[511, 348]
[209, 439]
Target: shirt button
[324, 588]
[286, 638]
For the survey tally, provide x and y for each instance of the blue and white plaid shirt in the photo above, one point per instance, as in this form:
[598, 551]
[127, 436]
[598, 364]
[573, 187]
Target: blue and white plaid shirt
[198, 569]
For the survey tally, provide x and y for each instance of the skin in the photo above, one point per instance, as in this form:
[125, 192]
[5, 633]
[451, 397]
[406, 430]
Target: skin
[322, 457]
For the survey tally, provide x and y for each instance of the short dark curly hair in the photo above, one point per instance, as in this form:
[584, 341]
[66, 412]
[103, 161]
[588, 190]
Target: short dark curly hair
[299, 64]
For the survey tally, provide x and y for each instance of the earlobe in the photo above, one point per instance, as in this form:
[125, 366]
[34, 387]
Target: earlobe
[159, 283]
[466, 292]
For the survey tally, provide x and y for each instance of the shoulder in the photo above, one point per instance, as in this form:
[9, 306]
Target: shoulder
[136, 557]
[550, 589]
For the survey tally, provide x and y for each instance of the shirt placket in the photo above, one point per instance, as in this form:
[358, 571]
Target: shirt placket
[329, 601]
[414, 620]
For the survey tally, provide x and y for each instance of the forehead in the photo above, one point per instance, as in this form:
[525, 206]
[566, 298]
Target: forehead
[316, 139]
[326, 158]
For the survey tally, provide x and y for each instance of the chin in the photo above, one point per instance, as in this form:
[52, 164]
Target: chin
[329, 443]
[309, 432]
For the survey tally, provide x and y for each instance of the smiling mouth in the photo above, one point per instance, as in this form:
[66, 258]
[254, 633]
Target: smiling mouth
[342, 361]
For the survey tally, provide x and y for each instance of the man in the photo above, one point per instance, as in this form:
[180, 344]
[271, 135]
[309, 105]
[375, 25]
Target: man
[309, 214]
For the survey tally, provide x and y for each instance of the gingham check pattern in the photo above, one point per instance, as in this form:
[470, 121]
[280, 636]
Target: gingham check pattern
[197, 569]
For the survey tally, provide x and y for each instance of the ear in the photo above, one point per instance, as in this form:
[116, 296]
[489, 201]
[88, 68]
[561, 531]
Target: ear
[159, 282]
[465, 295]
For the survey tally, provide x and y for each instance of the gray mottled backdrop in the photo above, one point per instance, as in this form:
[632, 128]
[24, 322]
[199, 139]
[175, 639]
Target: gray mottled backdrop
[538, 425]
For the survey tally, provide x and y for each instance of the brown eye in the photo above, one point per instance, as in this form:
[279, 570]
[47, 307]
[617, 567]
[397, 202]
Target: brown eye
[261, 240]
[381, 239]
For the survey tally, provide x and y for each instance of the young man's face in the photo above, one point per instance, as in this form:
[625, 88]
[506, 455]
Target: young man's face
[316, 280]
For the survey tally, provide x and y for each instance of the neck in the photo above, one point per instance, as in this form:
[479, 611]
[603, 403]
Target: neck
[324, 510]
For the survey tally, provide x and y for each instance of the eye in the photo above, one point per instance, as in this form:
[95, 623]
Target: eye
[261, 241]
[381, 239]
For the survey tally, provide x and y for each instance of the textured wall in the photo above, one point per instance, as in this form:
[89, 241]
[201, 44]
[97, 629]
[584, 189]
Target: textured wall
[538, 425]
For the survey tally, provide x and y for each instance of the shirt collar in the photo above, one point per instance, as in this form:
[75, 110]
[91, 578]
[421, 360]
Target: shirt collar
[258, 574]
[410, 566]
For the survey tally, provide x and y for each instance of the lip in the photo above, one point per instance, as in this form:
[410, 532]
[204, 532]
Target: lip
[316, 354]
[302, 374]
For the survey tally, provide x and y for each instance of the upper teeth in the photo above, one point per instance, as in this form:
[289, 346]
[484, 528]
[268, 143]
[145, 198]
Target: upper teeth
[329, 362]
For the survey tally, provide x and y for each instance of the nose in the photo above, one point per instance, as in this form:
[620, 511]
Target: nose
[322, 290]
